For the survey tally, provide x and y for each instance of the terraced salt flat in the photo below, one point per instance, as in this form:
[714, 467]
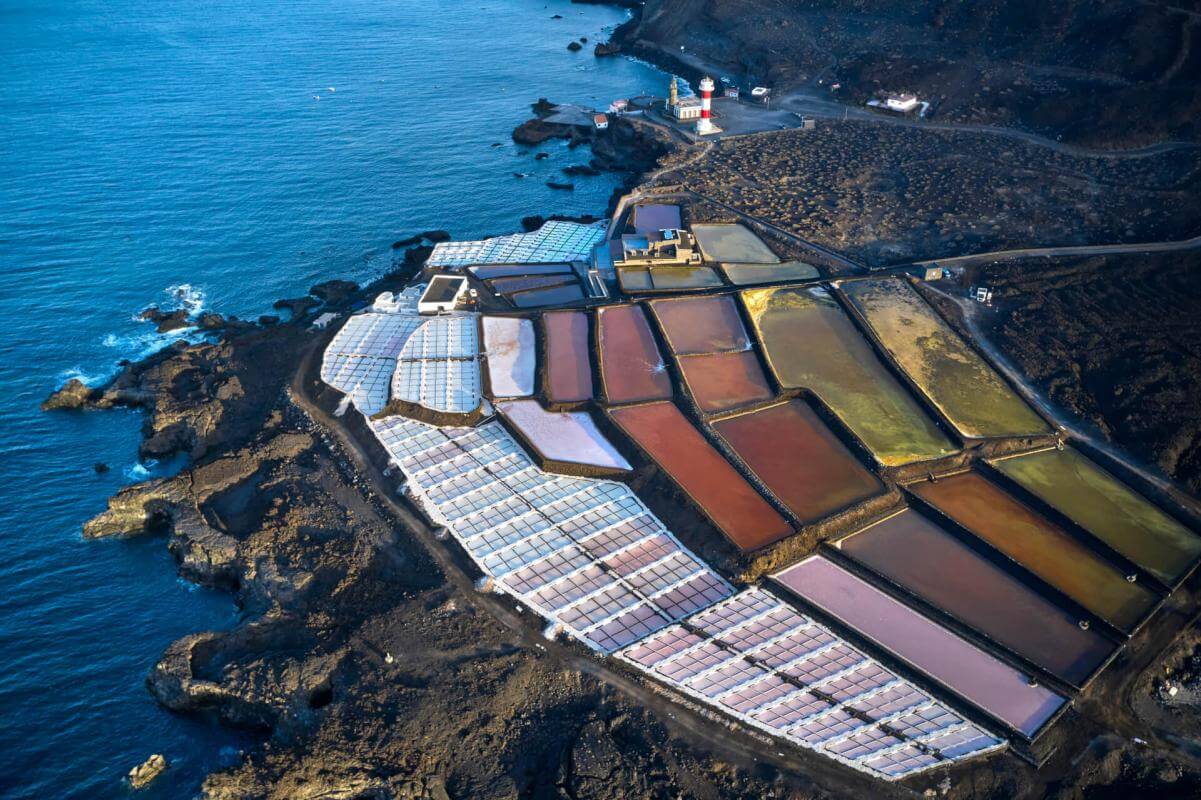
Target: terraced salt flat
[811, 343]
[439, 367]
[361, 357]
[768, 665]
[554, 242]
[975, 399]
[586, 554]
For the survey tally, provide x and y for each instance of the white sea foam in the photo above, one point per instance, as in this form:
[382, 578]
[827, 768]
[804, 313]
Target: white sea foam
[140, 470]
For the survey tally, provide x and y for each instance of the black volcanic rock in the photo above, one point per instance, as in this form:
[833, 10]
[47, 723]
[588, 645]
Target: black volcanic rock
[334, 292]
[167, 321]
[73, 394]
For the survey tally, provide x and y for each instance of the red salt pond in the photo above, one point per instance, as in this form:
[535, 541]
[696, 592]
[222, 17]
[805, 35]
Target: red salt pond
[799, 459]
[982, 679]
[912, 552]
[632, 369]
[723, 381]
[703, 473]
[701, 324]
[568, 365]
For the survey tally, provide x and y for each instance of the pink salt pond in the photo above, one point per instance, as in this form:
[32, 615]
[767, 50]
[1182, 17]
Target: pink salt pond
[510, 352]
[632, 370]
[703, 324]
[568, 365]
[990, 684]
[725, 381]
[569, 438]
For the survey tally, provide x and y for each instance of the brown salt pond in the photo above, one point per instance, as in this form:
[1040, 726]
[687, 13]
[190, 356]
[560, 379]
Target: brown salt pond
[632, 369]
[981, 678]
[811, 343]
[704, 324]
[553, 296]
[1104, 506]
[920, 557]
[735, 507]
[724, 381]
[488, 271]
[1014, 529]
[952, 375]
[568, 364]
[799, 459]
[523, 283]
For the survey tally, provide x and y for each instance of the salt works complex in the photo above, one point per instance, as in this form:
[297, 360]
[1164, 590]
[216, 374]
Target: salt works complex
[793, 497]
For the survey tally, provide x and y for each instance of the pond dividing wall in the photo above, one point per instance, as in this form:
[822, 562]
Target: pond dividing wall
[810, 343]
[632, 370]
[735, 507]
[952, 375]
[921, 558]
[799, 459]
[1012, 528]
[568, 361]
[985, 681]
[1108, 509]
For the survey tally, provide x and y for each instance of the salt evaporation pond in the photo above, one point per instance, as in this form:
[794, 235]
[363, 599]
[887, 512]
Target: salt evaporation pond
[1012, 528]
[810, 343]
[1108, 509]
[923, 559]
[952, 375]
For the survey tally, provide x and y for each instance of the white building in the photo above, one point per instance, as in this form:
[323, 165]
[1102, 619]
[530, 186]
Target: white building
[444, 293]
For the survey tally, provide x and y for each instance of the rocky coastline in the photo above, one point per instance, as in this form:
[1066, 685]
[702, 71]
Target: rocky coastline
[366, 660]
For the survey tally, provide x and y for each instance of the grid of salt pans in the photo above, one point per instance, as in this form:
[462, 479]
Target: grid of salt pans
[362, 355]
[554, 242]
[766, 664]
[439, 366]
[583, 553]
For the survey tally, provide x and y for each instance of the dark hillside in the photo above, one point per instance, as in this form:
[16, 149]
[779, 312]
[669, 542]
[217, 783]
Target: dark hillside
[1102, 73]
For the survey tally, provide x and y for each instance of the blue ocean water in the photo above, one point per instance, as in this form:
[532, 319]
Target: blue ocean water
[222, 154]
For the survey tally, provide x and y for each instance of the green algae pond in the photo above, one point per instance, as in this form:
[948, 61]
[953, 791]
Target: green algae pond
[1104, 506]
[953, 376]
[812, 344]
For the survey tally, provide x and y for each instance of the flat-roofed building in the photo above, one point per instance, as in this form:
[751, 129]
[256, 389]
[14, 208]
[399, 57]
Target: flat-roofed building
[663, 247]
[444, 293]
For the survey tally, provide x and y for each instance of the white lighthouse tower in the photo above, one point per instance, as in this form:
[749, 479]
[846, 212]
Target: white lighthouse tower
[705, 125]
